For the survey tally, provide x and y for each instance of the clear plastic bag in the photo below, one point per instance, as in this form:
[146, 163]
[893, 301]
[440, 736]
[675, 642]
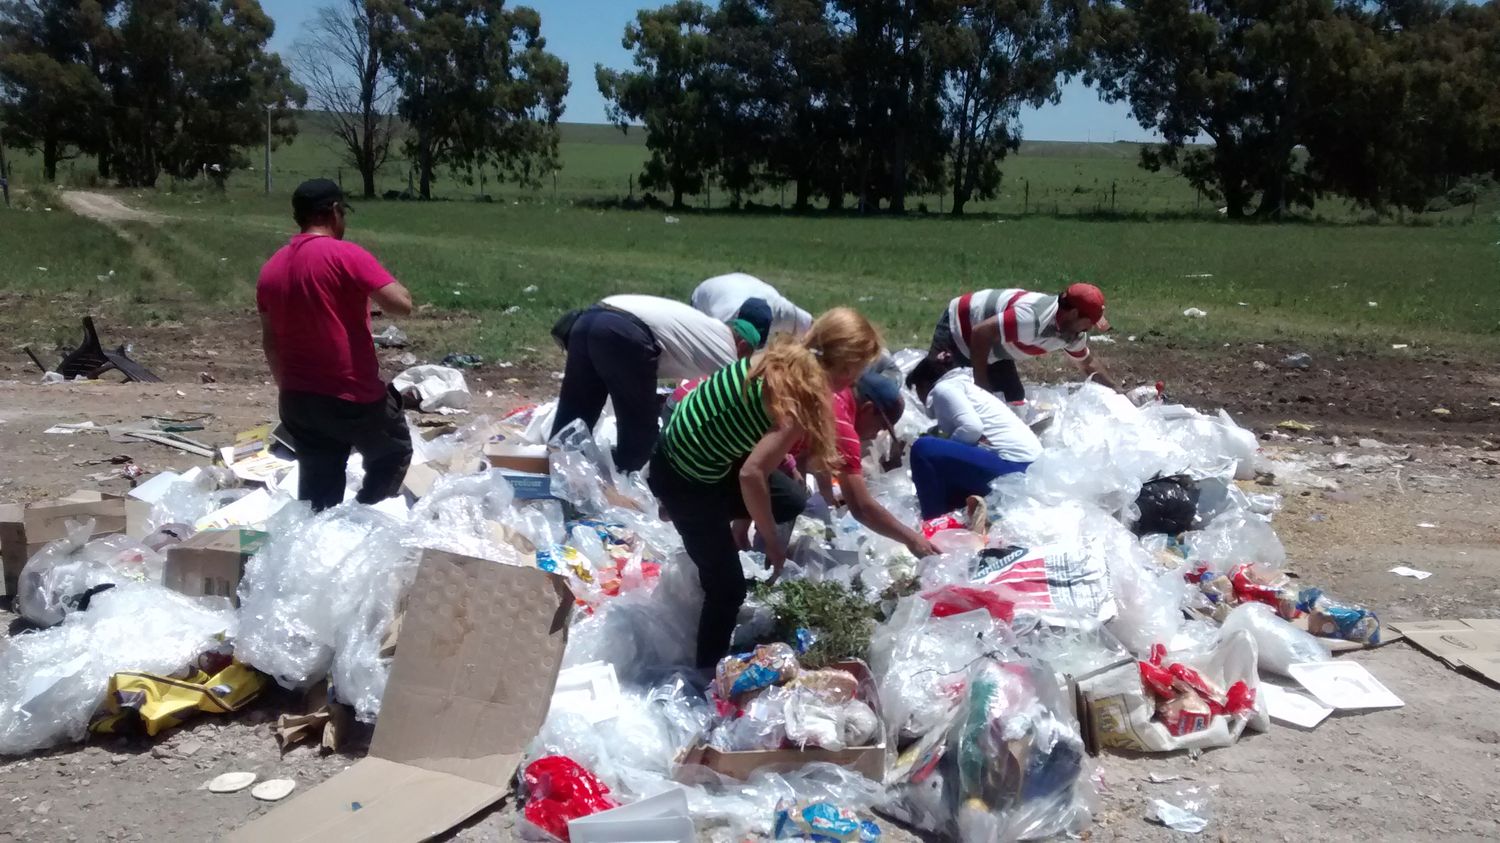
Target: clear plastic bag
[1279, 644]
[51, 681]
[646, 635]
[460, 514]
[310, 582]
[1011, 765]
[921, 664]
[359, 671]
[197, 493]
[66, 574]
[1234, 538]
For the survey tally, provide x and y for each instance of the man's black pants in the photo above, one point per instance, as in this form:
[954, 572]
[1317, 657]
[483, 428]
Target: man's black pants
[702, 513]
[325, 429]
[612, 355]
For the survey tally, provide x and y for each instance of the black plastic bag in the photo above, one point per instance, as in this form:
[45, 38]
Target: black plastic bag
[1167, 505]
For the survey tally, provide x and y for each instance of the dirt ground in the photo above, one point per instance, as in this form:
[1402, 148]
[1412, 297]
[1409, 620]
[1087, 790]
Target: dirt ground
[1426, 771]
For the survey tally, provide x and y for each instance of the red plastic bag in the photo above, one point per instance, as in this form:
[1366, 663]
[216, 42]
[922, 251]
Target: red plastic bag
[558, 789]
[949, 600]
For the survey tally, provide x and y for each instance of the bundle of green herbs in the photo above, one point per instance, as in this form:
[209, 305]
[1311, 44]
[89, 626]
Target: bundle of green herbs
[840, 621]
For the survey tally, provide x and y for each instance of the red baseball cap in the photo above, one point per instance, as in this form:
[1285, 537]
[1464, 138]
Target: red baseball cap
[1088, 300]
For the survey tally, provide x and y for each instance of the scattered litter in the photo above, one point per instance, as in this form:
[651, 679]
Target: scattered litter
[530, 289]
[433, 389]
[391, 337]
[41, 269]
[1163, 778]
[1344, 685]
[671, 220]
[1103, 340]
[1470, 644]
[231, 782]
[1372, 304]
[1187, 811]
[1299, 360]
[512, 310]
[90, 360]
[1243, 304]
[463, 361]
[1293, 424]
[1426, 525]
[1259, 365]
[1293, 709]
[70, 429]
[1441, 411]
[1398, 346]
[1199, 275]
[273, 790]
[1194, 313]
[1404, 571]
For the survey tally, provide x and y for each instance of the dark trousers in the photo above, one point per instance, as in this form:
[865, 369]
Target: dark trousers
[702, 514]
[612, 355]
[1003, 374]
[325, 429]
[946, 473]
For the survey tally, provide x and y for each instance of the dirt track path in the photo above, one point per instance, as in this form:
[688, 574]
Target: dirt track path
[106, 209]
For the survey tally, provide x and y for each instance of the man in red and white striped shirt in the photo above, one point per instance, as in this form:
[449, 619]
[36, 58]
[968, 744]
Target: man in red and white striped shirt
[992, 329]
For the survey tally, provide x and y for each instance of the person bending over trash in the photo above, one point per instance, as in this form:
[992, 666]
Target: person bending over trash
[992, 329]
[314, 299]
[620, 347]
[860, 412]
[985, 439]
[727, 438]
[722, 297]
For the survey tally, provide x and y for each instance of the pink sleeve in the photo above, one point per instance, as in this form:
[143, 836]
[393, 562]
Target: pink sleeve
[366, 272]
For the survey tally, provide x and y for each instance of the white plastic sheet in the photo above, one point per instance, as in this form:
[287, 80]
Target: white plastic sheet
[436, 388]
[51, 681]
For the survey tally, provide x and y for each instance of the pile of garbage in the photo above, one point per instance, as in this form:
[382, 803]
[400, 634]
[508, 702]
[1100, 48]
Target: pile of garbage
[1123, 594]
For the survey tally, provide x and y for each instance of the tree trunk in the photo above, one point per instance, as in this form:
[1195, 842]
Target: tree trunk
[49, 160]
[424, 165]
[897, 203]
[677, 198]
[804, 193]
[367, 173]
[961, 195]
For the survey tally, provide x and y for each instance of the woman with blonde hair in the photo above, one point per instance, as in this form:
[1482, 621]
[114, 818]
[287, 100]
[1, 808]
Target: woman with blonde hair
[724, 441]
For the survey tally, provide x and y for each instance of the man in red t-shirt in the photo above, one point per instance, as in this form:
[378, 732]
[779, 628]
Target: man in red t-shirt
[314, 299]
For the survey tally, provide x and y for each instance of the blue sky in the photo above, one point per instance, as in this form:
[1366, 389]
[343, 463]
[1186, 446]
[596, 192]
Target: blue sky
[585, 32]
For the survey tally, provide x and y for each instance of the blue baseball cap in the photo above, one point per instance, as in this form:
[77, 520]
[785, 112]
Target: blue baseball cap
[758, 313]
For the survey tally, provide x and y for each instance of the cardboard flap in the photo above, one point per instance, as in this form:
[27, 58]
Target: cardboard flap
[481, 647]
[375, 800]
[1471, 642]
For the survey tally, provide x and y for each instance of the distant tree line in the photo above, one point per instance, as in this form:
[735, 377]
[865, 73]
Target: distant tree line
[146, 87]
[185, 87]
[1264, 105]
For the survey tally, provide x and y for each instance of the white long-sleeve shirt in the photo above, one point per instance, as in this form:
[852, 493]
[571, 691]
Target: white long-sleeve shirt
[721, 297]
[968, 413]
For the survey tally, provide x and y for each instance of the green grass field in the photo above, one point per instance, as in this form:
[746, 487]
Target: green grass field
[1307, 283]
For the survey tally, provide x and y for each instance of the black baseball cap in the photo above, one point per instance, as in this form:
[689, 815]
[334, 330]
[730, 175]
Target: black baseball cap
[317, 195]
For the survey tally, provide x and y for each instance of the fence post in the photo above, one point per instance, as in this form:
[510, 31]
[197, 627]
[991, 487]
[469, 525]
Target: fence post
[1112, 186]
[1026, 202]
[554, 187]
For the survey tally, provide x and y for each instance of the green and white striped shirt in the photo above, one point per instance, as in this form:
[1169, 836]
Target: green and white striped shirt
[717, 425]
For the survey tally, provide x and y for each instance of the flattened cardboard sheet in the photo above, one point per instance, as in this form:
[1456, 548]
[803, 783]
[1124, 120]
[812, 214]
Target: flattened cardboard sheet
[481, 646]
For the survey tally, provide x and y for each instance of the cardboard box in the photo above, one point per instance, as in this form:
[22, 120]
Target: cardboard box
[530, 459]
[868, 761]
[420, 478]
[211, 563]
[27, 528]
[527, 486]
[481, 647]
[1470, 644]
